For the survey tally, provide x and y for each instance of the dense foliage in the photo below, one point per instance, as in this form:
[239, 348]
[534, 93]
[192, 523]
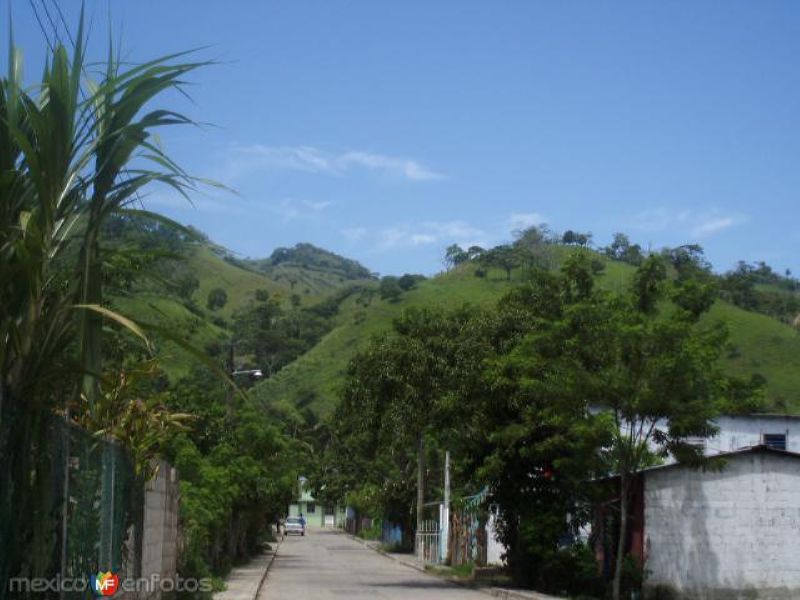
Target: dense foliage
[559, 383]
[238, 472]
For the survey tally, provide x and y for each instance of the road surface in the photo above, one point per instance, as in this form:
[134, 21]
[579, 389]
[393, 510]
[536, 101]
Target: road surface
[326, 564]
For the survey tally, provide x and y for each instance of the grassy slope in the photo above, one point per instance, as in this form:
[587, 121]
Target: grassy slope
[239, 283]
[199, 330]
[760, 344]
[309, 282]
[320, 371]
[169, 313]
[766, 346]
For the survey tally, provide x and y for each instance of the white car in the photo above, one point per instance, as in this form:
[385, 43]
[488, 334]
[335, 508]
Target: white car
[294, 525]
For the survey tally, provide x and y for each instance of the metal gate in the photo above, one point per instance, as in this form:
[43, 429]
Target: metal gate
[427, 543]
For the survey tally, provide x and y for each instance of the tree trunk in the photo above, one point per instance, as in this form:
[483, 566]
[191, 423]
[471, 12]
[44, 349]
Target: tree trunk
[623, 534]
[420, 481]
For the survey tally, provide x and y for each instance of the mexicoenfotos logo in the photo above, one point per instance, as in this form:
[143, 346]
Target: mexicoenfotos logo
[105, 584]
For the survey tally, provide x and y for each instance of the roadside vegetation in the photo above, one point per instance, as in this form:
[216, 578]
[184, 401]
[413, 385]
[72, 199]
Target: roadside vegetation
[559, 383]
[76, 152]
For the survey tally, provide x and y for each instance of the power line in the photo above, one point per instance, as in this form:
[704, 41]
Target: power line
[52, 23]
[63, 22]
[41, 26]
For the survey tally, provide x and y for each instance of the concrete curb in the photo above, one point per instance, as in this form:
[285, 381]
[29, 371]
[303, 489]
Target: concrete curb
[492, 591]
[376, 548]
[519, 595]
[266, 570]
[248, 591]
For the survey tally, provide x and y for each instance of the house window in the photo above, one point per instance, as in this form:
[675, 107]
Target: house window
[329, 510]
[775, 440]
[311, 508]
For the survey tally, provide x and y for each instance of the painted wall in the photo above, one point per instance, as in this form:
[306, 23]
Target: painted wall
[323, 516]
[725, 535]
[494, 549]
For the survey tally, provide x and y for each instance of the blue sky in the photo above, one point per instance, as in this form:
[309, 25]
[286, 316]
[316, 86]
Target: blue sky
[387, 130]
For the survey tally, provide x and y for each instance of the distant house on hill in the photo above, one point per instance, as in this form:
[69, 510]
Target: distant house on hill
[316, 515]
[701, 534]
[781, 432]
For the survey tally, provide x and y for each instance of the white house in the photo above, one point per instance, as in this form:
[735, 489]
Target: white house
[781, 432]
[776, 431]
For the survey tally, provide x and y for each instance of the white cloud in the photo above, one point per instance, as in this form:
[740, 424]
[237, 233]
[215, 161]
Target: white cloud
[713, 226]
[655, 219]
[428, 233]
[257, 157]
[419, 239]
[291, 208]
[410, 169]
[694, 223]
[525, 220]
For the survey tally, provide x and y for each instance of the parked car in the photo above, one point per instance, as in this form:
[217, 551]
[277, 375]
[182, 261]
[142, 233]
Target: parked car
[294, 525]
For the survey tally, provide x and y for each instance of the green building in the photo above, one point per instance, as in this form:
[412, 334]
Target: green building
[315, 514]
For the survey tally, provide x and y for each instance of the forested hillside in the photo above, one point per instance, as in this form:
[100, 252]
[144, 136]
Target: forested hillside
[304, 312]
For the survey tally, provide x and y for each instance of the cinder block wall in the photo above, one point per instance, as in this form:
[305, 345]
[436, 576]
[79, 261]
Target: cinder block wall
[729, 534]
[160, 528]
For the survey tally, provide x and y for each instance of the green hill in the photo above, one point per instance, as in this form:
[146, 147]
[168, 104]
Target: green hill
[311, 271]
[758, 343]
[313, 379]
[302, 279]
[350, 298]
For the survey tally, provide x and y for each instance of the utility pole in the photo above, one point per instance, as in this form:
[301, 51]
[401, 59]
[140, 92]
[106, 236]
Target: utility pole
[420, 483]
[445, 540]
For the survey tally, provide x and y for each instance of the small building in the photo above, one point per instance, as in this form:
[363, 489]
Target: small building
[718, 533]
[315, 514]
[743, 431]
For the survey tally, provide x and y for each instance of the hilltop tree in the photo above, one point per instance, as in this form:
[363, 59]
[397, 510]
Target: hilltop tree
[408, 281]
[390, 288]
[454, 255]
[475, 252]
[621, 249]
[217, 298]
[532, 246]
[502, 257]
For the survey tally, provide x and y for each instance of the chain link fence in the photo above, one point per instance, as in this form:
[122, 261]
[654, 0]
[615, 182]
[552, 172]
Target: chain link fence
[69, 504]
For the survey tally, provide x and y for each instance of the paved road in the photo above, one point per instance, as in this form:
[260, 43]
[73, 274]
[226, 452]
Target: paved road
[326, 564]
